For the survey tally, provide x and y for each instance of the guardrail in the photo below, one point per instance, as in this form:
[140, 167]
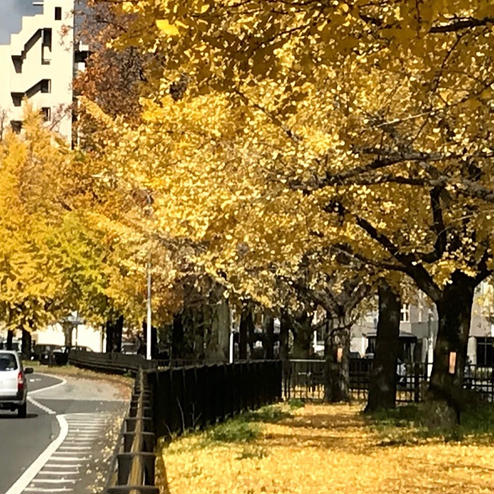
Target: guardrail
[132, 468]
[112, 362]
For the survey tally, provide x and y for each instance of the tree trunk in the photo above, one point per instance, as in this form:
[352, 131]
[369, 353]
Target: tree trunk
[10, 337]
[284, 332]
[199, 330]
[285, 362]
[245, 331]
[454, 313]
[268, 345]
[302, 336]
[154, 342]
[110, 335]
[67, 333]
[178, 337]
[26, 344]
[221, 327]
[114, 329]
[117, 342]
[382, 383]
[337, 365]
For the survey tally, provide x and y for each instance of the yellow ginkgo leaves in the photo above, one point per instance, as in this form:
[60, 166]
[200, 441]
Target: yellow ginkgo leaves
[169, 29]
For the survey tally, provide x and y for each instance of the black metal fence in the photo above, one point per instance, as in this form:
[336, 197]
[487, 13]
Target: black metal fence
[171, 400]
[197, 396]
[304, 379]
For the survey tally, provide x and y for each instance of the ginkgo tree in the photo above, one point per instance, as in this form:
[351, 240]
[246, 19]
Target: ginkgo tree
[30, 275]
[58, 253]
[271, 127]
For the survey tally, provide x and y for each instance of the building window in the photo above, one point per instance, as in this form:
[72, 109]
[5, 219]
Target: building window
[46, 112]
[485, 352]
[17, 98]
[46, 86]
[17, 64]
[16, 126]
[46, 47]
[47, 34]
[371, 345]
[405, 313]
[58, 13]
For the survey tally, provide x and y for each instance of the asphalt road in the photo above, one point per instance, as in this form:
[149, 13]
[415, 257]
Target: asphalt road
[89, 408]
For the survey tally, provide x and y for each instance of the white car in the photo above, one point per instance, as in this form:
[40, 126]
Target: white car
[13, 383]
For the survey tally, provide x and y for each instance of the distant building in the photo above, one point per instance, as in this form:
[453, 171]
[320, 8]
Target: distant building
[418, 331]
[39, 65]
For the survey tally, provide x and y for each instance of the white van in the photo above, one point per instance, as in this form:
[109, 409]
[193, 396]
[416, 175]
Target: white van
[13, 383]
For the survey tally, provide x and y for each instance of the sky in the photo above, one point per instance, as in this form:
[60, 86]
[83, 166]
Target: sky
[11, 12]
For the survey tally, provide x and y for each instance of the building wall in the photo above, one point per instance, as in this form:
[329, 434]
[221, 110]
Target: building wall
[419, 318]
[42, 51]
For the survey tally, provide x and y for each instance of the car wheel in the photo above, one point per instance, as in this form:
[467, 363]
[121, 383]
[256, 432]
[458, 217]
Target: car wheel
[22, 411]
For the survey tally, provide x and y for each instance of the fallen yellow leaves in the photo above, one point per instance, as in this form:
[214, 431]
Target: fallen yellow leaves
[325, 448]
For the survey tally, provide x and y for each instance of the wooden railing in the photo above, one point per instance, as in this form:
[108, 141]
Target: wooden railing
[132, 469]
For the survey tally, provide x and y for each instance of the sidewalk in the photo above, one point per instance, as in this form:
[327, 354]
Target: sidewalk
[321, 449]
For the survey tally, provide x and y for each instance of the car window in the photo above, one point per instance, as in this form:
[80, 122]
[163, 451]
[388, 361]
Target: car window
[7, 362]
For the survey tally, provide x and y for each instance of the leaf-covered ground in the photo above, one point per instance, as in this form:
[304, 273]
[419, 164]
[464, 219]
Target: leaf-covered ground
[320, 449]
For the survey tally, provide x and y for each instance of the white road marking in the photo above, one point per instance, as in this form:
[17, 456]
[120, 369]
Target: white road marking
[57, 472]
[68, 458]
[53, 481]
[23, 481]
[60, 465]
[48, 387]
[50, 490]
[63, 456]
[46, 409]
[36, 403]
[69, 449]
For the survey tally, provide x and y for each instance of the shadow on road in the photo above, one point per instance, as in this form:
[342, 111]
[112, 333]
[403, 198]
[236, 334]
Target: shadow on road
[4, 416]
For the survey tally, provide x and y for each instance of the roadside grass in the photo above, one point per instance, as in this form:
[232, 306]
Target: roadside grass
[247, 426]
[314, 449]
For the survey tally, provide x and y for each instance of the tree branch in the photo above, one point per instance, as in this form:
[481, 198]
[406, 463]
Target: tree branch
[458, 25]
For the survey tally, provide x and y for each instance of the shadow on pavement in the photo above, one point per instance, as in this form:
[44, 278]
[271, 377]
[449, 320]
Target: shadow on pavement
[13, 415]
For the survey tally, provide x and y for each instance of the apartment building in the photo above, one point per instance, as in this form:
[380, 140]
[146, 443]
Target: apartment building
[38, 66]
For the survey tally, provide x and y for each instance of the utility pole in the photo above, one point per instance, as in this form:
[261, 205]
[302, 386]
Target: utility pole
[148, 311]
[149, 213]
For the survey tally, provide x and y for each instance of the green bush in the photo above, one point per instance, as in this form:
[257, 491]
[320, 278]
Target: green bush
[270, 413]
[235, 430]
[295, 403]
